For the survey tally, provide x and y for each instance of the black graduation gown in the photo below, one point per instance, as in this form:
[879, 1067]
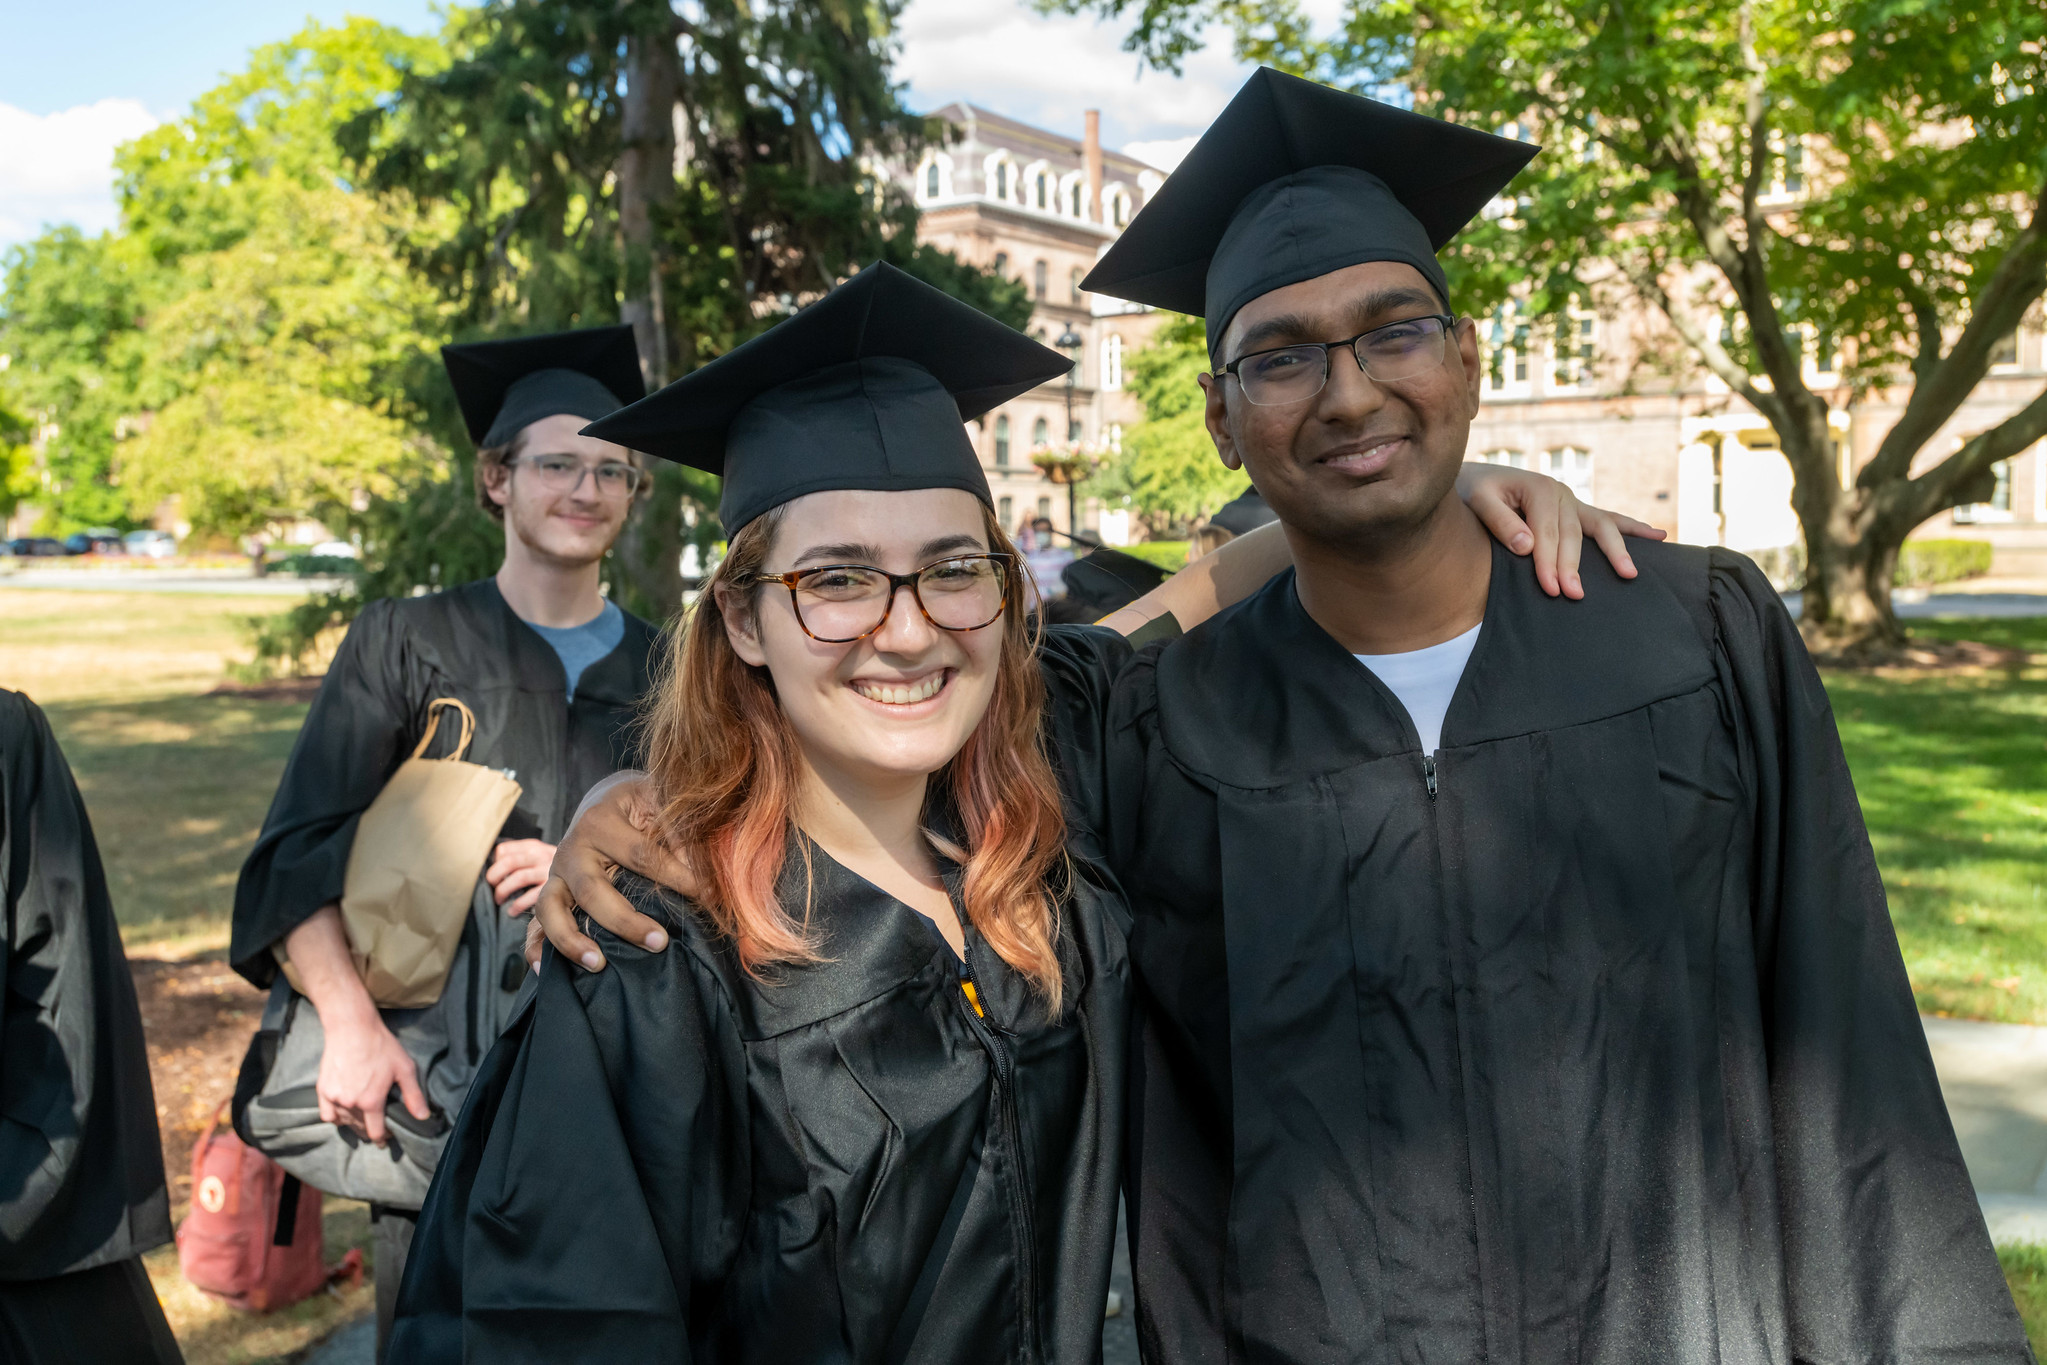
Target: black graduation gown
[399, 655]
[81, 1167]
[1589, 1041]
[671, 1161]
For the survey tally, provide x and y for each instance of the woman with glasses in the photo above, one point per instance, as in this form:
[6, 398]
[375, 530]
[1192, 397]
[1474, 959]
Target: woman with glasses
[870, 1106]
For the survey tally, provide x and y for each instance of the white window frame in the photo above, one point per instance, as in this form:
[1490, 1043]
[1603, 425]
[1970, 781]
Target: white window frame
[1028, 190]
[990, 168]
[1112, 362]
[1508, 335]
[1581, 333]
[939, 161]
[1116, 205]
[1570, 466]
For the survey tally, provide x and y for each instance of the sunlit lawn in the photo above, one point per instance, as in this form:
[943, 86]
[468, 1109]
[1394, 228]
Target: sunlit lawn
[177, 780]
[1952, 771]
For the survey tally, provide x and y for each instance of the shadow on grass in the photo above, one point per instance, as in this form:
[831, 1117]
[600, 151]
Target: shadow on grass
[1952, 773]
[177, 787]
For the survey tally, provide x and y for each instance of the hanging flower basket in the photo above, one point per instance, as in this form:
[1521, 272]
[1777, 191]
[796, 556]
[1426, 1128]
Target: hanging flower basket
[1067, 464]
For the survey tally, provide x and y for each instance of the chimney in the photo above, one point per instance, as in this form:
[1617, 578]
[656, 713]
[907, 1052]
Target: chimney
[1094, 165]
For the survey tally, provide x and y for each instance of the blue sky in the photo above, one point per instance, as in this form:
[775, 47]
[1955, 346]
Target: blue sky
[66, 53]
[81, 76]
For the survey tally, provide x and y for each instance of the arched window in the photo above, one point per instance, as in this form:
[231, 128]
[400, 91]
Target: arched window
[1116, 205]
[1002, 262]
[1112, 361]
[1073, 431]
[931, 181]
[1041, 434]
[1041, 280]
[1002, 447]
[1073, 198]
[1073, 282]
[1044, 190]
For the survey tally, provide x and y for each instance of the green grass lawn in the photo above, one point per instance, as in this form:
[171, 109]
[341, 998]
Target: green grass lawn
[1952, 772]
[177, 777]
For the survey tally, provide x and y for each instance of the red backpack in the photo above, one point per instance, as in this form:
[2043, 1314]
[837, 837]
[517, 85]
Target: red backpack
[253, 1235]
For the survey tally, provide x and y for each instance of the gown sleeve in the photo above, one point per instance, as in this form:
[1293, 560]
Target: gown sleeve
[81, 1171]
[593, 1192]
[1886, 1255]
[1081, 665]
[352, 741]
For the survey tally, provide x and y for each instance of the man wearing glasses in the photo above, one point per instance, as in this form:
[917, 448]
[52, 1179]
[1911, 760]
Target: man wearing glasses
[1517, 981]
[551, 669]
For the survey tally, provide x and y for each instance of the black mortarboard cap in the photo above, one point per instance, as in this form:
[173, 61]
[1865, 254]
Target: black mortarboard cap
[1295, 180]
[504, 386]
[1244, 513]
[869, 387]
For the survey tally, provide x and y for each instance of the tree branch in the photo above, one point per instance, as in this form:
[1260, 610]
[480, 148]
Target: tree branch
[1724, 366]
[2020, 278]
[1939, 487]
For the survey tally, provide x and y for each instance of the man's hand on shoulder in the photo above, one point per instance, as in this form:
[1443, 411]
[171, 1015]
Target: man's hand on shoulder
[613, 829]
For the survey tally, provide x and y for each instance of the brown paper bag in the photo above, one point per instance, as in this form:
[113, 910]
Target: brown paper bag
[412, 871]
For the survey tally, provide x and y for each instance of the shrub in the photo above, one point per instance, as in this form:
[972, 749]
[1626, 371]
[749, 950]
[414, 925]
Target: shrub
[1923, 563]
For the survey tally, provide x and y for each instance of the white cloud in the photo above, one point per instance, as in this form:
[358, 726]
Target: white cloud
[1048, 70]
[59, 168]
[1166, 153]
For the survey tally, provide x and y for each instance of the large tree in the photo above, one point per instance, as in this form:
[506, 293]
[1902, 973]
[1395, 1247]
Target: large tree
[549, 189]
[1920, 244]
[281, 366]
[76, 313]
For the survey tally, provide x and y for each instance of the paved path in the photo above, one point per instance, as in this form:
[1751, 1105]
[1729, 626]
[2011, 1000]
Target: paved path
[1979, 604]
[239, 583]
[1995, 1080]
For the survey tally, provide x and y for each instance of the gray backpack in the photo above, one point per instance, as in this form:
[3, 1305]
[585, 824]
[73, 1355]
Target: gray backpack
[276, 1109]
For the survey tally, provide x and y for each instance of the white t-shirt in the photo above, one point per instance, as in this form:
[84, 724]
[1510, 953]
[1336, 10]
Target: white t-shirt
[1424, 680]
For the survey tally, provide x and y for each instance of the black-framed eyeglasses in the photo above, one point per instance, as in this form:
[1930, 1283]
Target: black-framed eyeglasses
[837, 604]
[1294, 374]
[564, 474]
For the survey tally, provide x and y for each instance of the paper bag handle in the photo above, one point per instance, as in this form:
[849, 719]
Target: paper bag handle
[433, 725]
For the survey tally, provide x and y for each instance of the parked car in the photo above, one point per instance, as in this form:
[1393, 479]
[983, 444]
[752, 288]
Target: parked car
[99, 540]
[151, 544]
[30, 546]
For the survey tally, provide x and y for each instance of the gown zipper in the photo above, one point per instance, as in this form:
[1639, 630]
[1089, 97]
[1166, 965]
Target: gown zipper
[1005, 1108]
[1432, 784]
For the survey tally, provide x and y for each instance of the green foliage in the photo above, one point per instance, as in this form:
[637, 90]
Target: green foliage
[106, 335]
[70, 311]
[2025, 1270]
[1928, 562]
[1864, 180]
[205, 181]
[282, 360]
[1001, 297]
[17, 461]
[1170, 555]
[1169, 470]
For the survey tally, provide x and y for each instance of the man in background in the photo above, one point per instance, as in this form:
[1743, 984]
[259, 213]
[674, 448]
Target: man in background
[551, 670]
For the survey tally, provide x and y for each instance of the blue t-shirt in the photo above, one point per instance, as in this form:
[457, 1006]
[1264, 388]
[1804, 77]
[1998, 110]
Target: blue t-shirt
[581, 646]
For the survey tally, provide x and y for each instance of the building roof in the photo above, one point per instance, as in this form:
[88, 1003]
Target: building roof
[1001, 131]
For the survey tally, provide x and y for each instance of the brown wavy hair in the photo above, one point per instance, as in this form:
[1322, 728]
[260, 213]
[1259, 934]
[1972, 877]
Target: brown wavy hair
[725, 763]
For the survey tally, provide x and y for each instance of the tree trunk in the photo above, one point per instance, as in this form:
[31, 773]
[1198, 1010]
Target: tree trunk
[651, 547]
[1847, 613]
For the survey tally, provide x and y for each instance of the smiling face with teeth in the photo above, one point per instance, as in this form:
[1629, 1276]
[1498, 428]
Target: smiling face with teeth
[1360, 458]
[893, 708]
